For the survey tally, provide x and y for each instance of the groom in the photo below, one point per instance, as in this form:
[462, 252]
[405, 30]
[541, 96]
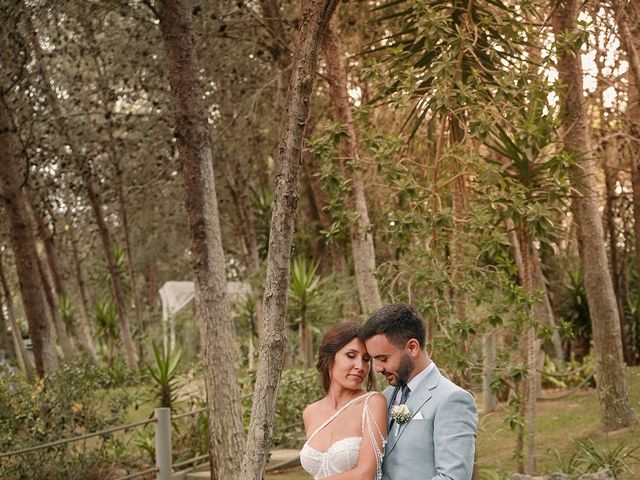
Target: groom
[432, 435]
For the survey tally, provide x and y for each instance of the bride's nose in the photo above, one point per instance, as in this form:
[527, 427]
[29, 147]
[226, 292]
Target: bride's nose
[359, 364]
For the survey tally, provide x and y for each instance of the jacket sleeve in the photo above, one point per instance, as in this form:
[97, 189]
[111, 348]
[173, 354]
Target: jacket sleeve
[454, 436]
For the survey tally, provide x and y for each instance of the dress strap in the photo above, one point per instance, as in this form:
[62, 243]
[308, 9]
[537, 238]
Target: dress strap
[378, 440]
[342, 409]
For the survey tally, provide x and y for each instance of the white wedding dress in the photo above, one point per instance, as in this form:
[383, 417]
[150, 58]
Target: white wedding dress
[343, 454]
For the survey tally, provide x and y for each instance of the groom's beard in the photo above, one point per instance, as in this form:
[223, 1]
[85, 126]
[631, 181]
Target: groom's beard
[402, 375]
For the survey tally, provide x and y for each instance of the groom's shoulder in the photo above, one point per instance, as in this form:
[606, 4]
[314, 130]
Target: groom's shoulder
[450, 388]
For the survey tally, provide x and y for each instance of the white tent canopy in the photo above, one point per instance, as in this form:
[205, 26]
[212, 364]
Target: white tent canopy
[175, 295]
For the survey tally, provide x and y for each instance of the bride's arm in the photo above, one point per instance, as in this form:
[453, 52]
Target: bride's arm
[366, 468]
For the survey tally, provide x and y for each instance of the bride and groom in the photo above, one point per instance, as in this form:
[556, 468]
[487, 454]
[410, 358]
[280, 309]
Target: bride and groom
[423, 427]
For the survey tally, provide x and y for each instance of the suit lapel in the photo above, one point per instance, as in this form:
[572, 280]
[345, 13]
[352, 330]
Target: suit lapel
[417, 399]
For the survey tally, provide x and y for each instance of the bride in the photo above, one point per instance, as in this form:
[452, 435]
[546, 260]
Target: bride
[346, 429]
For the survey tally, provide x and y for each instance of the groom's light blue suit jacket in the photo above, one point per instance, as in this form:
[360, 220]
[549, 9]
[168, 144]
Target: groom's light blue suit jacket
[441, 444]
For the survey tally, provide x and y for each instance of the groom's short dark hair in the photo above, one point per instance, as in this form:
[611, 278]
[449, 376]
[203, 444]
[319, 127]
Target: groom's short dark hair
[398, 321]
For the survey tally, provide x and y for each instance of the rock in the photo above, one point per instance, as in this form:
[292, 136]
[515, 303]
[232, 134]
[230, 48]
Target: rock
[604, 474]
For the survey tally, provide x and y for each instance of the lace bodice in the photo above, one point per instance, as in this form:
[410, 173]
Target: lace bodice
[343, 454]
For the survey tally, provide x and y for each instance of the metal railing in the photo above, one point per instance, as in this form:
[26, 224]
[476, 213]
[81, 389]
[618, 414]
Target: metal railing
[164, 461]
[163, 419]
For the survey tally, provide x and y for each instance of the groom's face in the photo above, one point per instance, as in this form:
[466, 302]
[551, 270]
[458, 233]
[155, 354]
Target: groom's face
[390, 360]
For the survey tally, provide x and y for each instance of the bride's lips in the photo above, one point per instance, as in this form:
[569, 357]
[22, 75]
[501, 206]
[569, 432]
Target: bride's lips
[359, 377]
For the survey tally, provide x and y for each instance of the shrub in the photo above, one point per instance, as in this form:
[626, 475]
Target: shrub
[67, 403]
[298, 388]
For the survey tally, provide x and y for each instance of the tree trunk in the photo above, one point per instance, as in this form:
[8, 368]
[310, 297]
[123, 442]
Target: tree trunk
[83, 323]
[84, 168]
[631, 44]
[612, 388]
[459, 205]
[364, 260]
[24, 247]
[314, 21]
[488, 370]
[21, 351]
[68, 349]
[532, 347]
[114, 158]
[49, 278]
[543, 311]
[217, 331]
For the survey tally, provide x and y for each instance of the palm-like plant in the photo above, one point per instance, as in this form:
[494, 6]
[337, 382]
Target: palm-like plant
[107, 327]
[164, 373]
[67, 312]
[304, 295]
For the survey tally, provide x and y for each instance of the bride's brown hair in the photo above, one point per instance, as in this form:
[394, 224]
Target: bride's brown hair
[334, 339]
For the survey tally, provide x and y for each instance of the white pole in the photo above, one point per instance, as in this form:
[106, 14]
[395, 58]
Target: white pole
[163, 443]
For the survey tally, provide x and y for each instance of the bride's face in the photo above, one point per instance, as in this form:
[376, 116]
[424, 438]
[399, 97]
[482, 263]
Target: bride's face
[351, 365]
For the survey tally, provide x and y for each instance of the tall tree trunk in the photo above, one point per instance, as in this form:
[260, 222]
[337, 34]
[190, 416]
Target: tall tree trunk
[217, 331]
[112, 154]
[48, 276]
[83, 323]
[68, 349]
[532, 347]
[22, 356]
[364, 260]
[488, 370]
[314, 21]
[543, 311]
[612, 388]
[84, 168]
[631, 43]
[459, 202]
[24, 246]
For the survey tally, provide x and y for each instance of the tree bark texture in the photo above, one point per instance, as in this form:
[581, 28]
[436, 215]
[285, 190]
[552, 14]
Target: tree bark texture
[68, 349]
[630, 40]
[84, 169]
[24, 247]
[24, 362]
[532, 347]
[612, 388]
[217, 331]
[48, 277]
[314, 21]
[364, 259]
[83, 322]
[488, 370]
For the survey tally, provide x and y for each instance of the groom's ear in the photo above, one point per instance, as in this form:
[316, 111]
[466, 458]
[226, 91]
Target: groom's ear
[413, 346]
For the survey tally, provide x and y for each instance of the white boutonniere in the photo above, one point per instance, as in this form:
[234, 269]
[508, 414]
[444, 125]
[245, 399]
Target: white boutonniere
[400, 414]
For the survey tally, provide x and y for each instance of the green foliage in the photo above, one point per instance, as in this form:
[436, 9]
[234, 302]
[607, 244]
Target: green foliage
[573, 307]
[73, 401]
[107, 326]
[164, 373]
[304, 289]
[588, 457]
[570, 465]
[67, 312]
[298, 388]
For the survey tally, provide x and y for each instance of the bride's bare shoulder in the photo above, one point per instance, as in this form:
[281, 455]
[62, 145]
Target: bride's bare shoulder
[312, 410]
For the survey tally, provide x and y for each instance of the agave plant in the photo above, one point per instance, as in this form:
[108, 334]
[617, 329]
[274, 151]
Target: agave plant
[67, 312]
[164, 373]
[107, 327]
[304, 295]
